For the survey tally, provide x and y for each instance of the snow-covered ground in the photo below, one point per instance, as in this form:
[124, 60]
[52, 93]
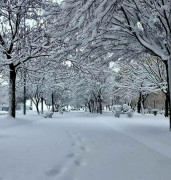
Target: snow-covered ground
[84, 146]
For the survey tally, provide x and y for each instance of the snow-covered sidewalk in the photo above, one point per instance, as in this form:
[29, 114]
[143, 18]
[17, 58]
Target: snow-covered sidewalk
[84, 146]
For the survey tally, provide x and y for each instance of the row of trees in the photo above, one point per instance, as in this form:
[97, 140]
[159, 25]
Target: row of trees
[65, 50]
[123, 31]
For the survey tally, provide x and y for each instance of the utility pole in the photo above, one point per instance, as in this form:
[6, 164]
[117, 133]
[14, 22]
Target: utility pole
[24, 106]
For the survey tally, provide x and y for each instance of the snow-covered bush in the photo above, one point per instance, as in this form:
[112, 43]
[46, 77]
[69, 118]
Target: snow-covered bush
[117, 113]
[61, 110]
[117, 109]
[150, 110]
[130, 113]
[161, 112]
[146, 111]
[48, 114]
[126, 108]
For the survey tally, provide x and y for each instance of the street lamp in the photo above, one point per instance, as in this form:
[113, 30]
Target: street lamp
[24, 106]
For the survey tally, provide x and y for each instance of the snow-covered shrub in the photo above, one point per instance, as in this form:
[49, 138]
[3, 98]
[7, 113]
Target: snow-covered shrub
[117, 113]
[126, 108]
[130, 113]
[48, 114]
[146, 111]
[150, 111]
[117, 109]
[161, 112]
[61, 110]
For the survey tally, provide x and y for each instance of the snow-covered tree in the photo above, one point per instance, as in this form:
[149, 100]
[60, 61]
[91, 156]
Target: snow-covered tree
[149, 23]
[91, 85]
[125, 29]
[4, 91]
[139, 78]
[22, 38]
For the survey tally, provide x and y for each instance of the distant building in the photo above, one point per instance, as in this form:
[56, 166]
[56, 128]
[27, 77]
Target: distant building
[4, 107]
[155, 101]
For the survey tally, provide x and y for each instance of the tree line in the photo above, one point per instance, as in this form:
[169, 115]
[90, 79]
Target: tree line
[64, 51]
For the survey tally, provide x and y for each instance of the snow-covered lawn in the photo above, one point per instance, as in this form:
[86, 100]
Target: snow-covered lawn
[83, 146]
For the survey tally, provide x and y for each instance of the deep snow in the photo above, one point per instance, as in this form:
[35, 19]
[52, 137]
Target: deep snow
[84, 146]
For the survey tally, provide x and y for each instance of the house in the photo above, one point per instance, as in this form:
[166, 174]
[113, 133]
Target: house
[155, 101]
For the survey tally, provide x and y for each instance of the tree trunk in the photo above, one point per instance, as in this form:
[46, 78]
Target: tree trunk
[86, 107]
[53, 108]
[92, 106]
[36, 103]
[96, 107]
[37, 108]
[100, 105]
[139, 104]
[89, 106]
[57, 107]
[12, 81]
[142, 108]
[168, 73]
[169, 87]
[41, 105]
[31, 104]
[166, 114]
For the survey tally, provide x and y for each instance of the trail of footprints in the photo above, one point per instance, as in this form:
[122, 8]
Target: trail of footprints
[74, 156]
[79, 148]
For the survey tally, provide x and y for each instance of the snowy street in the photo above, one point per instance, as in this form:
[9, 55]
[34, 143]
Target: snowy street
[84, 146]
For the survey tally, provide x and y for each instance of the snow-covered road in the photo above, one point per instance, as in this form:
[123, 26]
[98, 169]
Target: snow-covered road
[83, 146]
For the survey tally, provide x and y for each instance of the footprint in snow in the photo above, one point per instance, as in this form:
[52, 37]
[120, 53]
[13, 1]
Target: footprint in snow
[75, 143]
[81, 139]
[85, 148]
[70, 155]
[55, 171]
[71, 134]
[80, 162]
